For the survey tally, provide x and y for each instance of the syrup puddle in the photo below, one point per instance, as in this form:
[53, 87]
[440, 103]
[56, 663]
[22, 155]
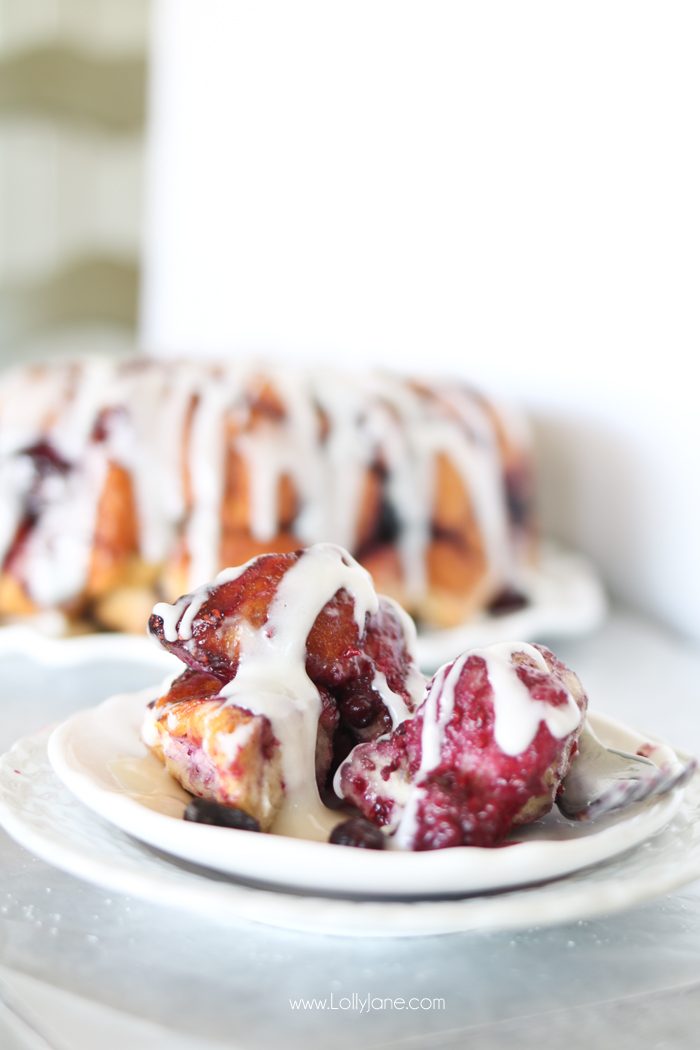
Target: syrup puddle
[147, 782]
[307, 819]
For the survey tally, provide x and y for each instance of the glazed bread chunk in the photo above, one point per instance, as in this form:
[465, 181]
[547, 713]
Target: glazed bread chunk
[486, 751]
[292, 659]
[216, 750]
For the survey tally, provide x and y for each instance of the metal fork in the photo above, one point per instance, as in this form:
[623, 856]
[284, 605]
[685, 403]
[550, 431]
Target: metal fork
[602, 778]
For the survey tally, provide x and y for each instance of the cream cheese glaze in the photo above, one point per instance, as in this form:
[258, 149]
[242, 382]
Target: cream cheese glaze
[271, 679]
[178, 617]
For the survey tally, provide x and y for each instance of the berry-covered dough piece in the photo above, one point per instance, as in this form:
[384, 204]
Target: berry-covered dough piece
[486, 751]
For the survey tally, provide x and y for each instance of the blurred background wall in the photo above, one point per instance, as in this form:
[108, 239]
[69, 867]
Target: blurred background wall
[72, 104]
[504, 191]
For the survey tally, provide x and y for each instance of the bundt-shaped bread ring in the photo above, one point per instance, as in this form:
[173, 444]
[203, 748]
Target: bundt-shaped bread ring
[126, 481]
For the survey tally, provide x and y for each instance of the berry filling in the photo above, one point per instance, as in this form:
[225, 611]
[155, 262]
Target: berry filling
[486, 751]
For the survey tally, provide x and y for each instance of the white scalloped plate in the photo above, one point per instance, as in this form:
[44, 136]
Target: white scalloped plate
[566, 599]
[42, 815]
[98, 755]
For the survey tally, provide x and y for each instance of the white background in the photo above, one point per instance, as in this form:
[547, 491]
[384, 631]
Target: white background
[509, 192]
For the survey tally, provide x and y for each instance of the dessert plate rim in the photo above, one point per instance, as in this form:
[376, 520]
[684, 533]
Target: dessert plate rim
[98, 756]
[86, 846]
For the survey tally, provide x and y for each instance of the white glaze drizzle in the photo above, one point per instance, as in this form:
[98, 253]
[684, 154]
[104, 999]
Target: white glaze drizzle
[517, 717]
[171, 615]
[367, 419]
[284, 448]
[394, 703]
[271, 679]
[178, 618]
[206, 468]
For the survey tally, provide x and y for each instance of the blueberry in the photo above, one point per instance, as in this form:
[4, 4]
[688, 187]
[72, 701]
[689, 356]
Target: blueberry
[204, 811]
[388, 527]
[519, 498]
[507, 601]
[358, 711]
[359, 833]
[359, 703]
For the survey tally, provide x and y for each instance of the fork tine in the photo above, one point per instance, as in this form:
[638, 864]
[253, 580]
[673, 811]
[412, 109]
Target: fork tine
[627, 792]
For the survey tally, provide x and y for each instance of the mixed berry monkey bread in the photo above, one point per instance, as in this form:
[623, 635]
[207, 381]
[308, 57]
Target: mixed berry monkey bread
[301, 704]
